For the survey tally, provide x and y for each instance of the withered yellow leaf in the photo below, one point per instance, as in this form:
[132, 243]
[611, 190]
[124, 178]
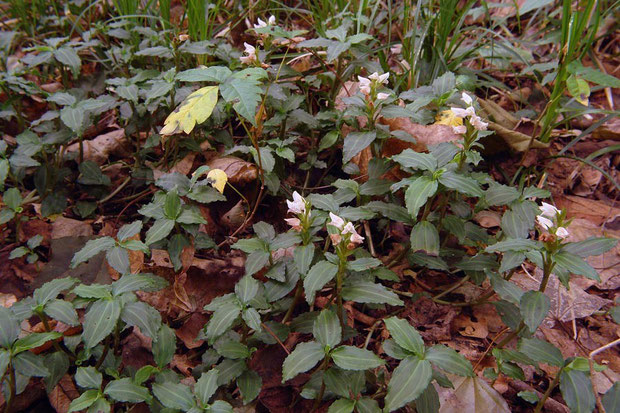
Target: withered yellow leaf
[447, 117]
[217, 178]
[195, 109]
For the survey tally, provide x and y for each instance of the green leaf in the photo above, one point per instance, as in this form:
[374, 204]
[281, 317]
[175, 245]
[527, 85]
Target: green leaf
[232, 349]
[518, 244]
[73, 117]
[85, 400]
[369, 292]
[367, 405]
[389, 210]
[425, 237]
[303, 256]
[505, 289]
[124, 390]
[418, 193]
[256, 261]
[328, 140]
[143, 316]
[578, 88]
[449, 360]
[363, 264]
[355, 142]
[460, 183]
[206, 386]
[249, 384]
[205, 74]
[165, 346]
[222, 319]
[327, 329]
[354, 358]
[541, 351]
[29, 364]
[416, 160]
[611, 399]
[92, 248]
[246, 289]
[529, 396]
[57, 363]
[118, 258]
[51, 289]
[134, 282]
[174, 395]
[92, 291]
[501, 194]
[405, 335]
[62, 311]
[534, 307]
[252, 318]
[409, 380]
[194, 110]
[230, 370]
[68, 57]
[319, 275]
[244, 94]
[34, 340]
[574, 264]
[341, 406]
[514, 225]
[100, 320]
[577, 391]
[172, 206]
[344, 383]
[88, 378]
[90, 174]
[303, 358]
[160, 230]
[590, 247]
[427, 401]
[249, 245]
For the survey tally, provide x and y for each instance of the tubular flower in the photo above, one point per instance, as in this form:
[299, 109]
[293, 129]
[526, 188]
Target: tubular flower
[364, 85]
[251, 54]
[549, 210]
[380, 79]
[382, 96]
[475, 120]
[297, 205]
[561, 232]
[294, 222]
[261, 23]
[545, 223]
[336, 221]
[355, 237]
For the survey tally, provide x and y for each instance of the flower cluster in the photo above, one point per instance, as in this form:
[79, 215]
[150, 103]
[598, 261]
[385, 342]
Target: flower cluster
[548, 220]
[299, 207]
[347, 232]
[469, 113]
[261, 23]
[367, 84]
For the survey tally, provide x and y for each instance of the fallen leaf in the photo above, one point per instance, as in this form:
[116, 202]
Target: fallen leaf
[101, 148]
[237, 170]
[470, 394]
[61, 396]
[488, 219]
[66, 227]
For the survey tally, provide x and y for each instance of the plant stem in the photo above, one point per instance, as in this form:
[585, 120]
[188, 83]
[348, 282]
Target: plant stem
[339, 293]
[296, 298]
[9, 402]
[56, 344]
[554, 383]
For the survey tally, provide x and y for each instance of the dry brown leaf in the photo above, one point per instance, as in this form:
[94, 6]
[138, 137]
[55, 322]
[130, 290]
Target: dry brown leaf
[237, 170]
[470, 394]
[61, 396]
[67, 227]
[7, 300]
[470, 328]
[188, 332]
[103, 146]
[608, 130]
[488, 219]
[597, 212]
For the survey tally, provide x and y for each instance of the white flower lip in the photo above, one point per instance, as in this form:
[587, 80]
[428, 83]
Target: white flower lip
[382, 96]
[549, 210]
[336, 221]
[364, 85]
[546, 223]
[297, 205]
[379, 78]
[561, 232]
[251, 54]
[355, 237]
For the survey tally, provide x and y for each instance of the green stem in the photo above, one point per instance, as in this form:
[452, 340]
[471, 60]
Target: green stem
[9, 402]
[56, 345]
[542, 401]
[296, 298]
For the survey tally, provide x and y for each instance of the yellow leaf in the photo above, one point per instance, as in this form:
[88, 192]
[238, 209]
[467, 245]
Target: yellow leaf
[447, 117]
[195, 109]
[217, 178]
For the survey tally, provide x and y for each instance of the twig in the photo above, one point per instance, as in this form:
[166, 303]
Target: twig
[272, 334]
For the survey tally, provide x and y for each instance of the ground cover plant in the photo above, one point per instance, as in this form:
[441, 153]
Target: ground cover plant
[309, 206]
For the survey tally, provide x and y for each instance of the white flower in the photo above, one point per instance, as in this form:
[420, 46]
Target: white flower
[546, 223]
[467, 99]
[336, 221]
[463, 113]
[355, 237]
[396, 49]
[460, 130]
[251, 54]
[364, 85]
[382, 96]
[261, 23]
[379, 78]
[297, 205]
[561, 232]
[477, 122]
[549, 210]
[294, 222]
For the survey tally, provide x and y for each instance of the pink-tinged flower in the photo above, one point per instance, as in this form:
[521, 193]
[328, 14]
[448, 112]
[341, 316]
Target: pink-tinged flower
[380, 79]
[382, 96]
[336, 238]
[561, 232]
[261, 23]
[251, 54]
[461, 129]
[467, 99]
[396, 49]
[294, 222]
[477, 122]
[355, 237]
[545, 223]
[463, 113]
[336, 221]
[297, 205]
[549, 210]
[364, 85]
